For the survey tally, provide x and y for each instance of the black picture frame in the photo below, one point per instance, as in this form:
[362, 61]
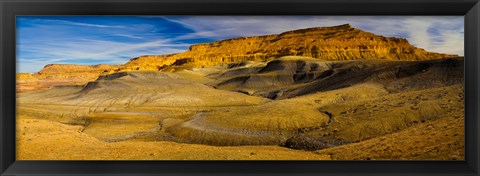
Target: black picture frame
[11, 8]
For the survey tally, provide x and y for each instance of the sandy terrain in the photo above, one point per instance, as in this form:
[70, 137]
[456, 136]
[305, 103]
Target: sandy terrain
[35, 139]
[292, 108]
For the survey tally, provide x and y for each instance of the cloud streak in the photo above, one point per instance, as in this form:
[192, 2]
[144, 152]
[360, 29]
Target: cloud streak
[82, 24]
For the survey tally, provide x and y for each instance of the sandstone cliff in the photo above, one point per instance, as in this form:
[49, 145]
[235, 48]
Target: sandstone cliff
[327, 43]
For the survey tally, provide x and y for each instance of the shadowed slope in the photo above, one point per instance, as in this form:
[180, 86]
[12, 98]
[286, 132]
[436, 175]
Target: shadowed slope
[286, 78]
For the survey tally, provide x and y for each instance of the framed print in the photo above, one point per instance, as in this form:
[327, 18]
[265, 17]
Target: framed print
[235, 88]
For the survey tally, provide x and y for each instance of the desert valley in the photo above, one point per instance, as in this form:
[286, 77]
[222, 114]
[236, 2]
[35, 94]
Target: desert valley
[323, 93]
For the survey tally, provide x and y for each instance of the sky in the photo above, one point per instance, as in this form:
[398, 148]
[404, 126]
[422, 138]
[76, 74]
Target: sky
[91, 40]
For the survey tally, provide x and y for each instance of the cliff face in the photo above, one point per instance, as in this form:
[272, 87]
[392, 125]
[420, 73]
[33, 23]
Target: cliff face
[326, 43]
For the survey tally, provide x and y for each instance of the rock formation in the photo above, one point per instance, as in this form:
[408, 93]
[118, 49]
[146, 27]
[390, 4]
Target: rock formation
[326, 43]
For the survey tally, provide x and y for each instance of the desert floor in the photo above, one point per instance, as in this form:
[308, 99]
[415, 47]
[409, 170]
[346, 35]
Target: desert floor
[287, 109]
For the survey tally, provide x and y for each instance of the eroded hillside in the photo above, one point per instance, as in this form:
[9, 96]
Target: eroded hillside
[371, 99]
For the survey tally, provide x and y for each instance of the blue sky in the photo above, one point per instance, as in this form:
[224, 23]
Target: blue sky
[91, 40]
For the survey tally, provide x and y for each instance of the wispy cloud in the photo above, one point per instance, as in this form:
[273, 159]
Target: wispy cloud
[83, 24]
[129, 36]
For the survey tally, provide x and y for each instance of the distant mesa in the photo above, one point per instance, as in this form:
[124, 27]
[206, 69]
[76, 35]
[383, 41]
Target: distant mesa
[70, 68]
[61, 75]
